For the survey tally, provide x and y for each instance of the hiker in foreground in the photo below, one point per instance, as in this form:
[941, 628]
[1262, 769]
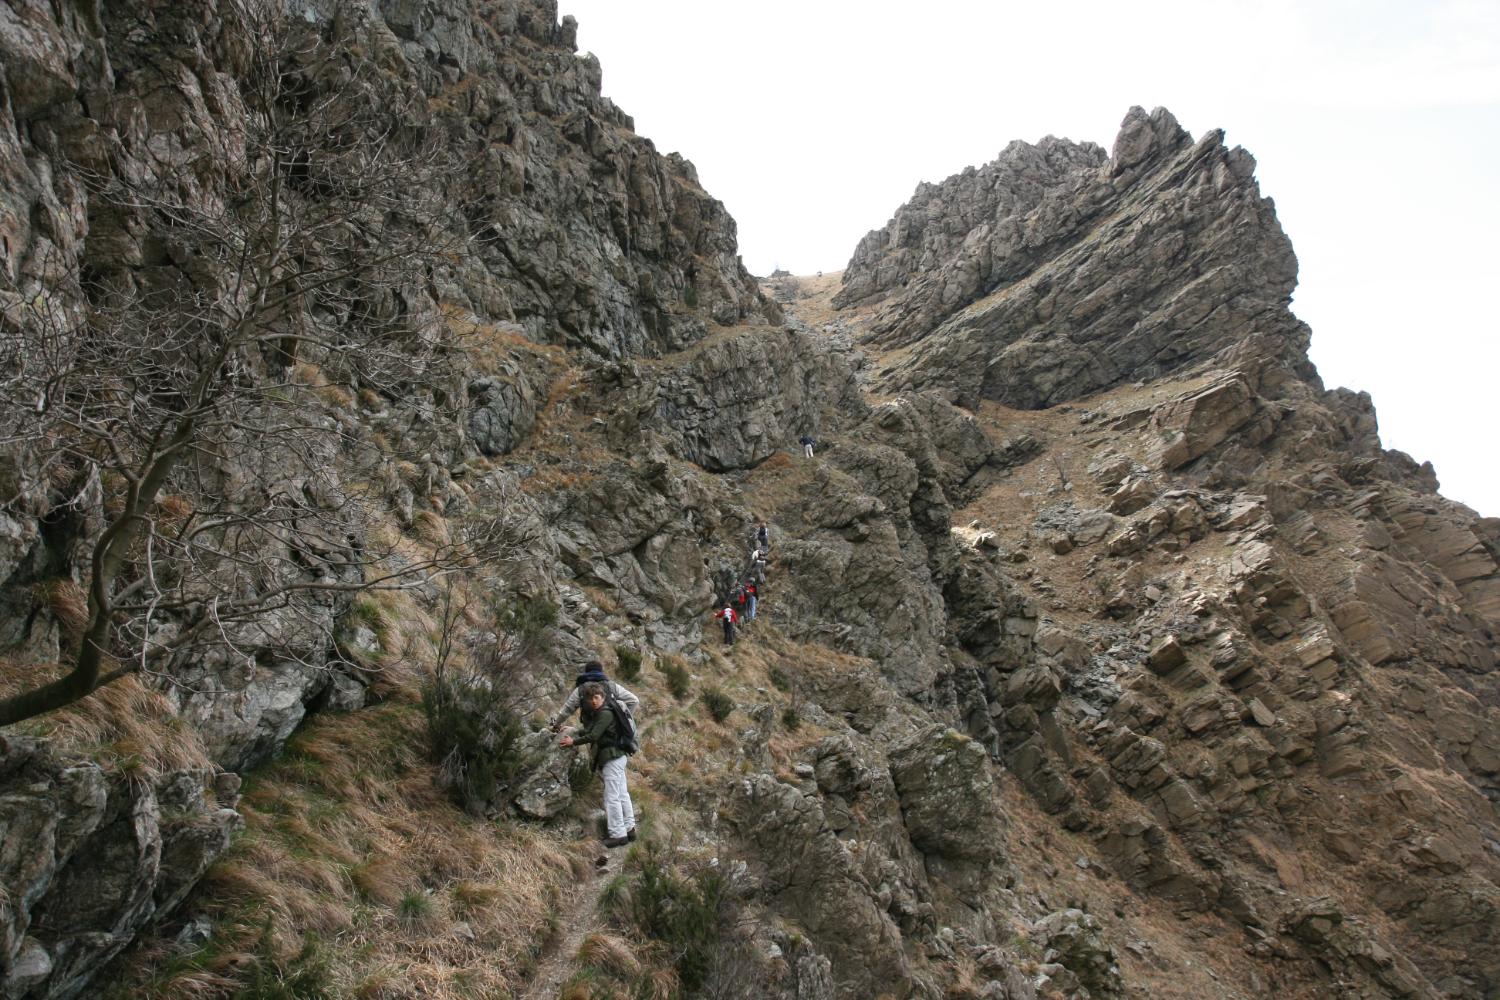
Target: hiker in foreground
[604, 728]
[594, 671]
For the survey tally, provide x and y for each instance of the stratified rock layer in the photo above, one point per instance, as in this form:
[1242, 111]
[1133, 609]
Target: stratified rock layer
[1053, 273]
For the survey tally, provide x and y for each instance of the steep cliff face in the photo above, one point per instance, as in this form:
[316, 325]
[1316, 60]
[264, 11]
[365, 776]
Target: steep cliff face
[1104, 653]
[578, 230]
[446, 172]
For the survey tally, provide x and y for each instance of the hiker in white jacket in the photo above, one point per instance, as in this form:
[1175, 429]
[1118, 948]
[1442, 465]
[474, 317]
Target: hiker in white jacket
[594, 671]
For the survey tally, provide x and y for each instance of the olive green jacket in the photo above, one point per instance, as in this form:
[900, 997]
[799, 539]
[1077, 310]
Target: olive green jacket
[600, 731]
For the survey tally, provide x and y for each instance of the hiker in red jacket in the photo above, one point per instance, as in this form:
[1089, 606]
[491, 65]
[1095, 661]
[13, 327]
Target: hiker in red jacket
[729, 617]
[750, 596]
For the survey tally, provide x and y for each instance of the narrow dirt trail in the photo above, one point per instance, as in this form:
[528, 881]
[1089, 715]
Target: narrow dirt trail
[580, 911]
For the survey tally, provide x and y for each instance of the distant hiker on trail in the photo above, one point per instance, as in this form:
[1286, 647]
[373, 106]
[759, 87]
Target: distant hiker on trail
[750, 595]
[602, 727]
[593, 672]
[807, 441]
[758, 568]
[728, 616]
[762, 536]
[741, 600]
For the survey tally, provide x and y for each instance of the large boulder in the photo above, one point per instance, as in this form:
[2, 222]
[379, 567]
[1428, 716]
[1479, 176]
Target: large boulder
[950, 805]
[812, 875]
[88, 858]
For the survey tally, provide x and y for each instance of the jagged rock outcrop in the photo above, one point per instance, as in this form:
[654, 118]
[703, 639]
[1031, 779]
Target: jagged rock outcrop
[1053, 273]
[816, 878]
[732, 401]
[948, 803]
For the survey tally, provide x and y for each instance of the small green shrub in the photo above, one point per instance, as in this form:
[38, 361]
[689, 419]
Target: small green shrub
[307, 976]
[684, 913]
[580, 773]
[630, 663]
[718, 703]
[779, 680]
[528, 618]
[474, 733]
[690, 297]
[679, 681]
[790, 719]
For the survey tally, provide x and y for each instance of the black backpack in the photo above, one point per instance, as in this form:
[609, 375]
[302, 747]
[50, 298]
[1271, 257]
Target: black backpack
[626, 737]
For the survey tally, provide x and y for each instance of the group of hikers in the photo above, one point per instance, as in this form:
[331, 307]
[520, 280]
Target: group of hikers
[743, 597]
[606, 709]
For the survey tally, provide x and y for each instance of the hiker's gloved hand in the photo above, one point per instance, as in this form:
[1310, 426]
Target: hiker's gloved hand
[566, 741]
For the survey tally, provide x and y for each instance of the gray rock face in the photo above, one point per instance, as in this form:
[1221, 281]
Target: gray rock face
[745, 394]
[854, 573]
[89, 858]
[1072, 940]
[636, 529]
[949, 805]
[1053, 273]
[544, 791]
[592, 238]
[503, 408]
[815, 877]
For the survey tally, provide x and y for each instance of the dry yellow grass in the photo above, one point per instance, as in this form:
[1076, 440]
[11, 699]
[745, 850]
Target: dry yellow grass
[68, 604]
[348, 839]
[611, 954]
[127, 724]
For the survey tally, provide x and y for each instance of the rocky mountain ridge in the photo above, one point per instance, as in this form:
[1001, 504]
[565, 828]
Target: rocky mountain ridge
[1105, 652]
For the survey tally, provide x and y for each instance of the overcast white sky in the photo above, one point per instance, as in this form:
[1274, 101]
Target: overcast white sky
[1376, 125]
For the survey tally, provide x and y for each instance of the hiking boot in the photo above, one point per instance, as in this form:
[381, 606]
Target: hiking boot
[630, 835]
[616, 841]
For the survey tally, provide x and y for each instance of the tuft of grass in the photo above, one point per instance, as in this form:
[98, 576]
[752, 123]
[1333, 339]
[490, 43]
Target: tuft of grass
[126, 725]
[68, 604]
[629, 662]
[611, 954]
[779, 679]
[414, 908]
[790, 719]
[679, 681]
[432, 528]
[719, 704]
[304, 976]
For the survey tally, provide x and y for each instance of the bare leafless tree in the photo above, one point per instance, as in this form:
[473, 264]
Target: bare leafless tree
[186, 411]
